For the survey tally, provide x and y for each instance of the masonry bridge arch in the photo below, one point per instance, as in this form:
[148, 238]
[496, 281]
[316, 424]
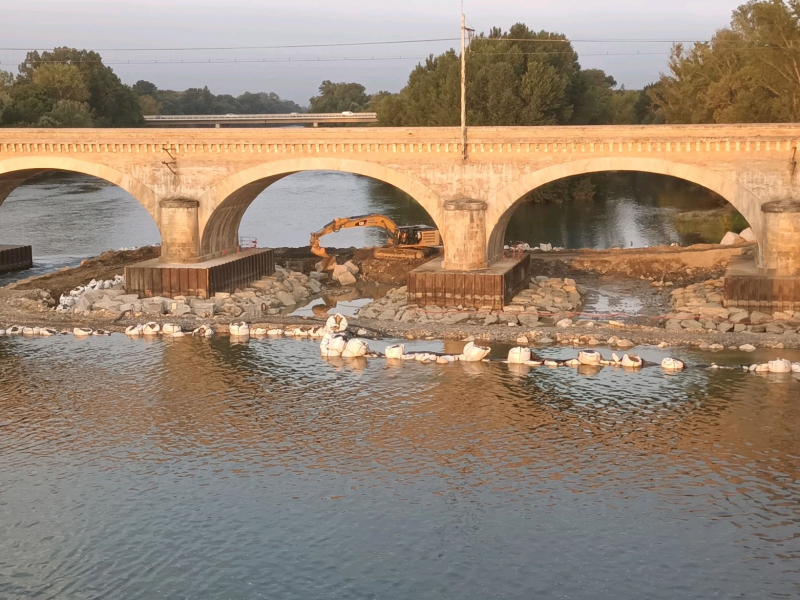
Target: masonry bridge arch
[221, 208]
[197, 183]
[16, 171]
[508, 199]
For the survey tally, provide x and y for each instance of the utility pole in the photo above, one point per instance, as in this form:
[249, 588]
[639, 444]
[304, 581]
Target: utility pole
[464, 85]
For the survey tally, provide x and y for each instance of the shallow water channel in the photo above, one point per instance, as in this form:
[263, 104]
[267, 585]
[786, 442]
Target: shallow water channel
[207, 469]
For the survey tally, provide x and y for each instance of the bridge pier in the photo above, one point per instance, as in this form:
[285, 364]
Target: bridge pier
[774, 283]
[464, 235]
[180, 232]
[780, 245]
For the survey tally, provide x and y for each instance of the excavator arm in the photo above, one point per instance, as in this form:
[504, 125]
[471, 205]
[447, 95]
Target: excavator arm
[372, 220]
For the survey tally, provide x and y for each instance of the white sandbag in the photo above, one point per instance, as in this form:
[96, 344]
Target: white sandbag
[240, 329]
[519, 355]
[672, 364]
[779, 366]
[589, 357]
[395, 351]
[473, 353]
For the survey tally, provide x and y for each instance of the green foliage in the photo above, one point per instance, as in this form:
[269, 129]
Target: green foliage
[67, 113]
[532, 79]
[200, 101]
[63, 82]
[67, 88]
[28, 104]
[149, 105]
[339, 97]
[748, 73]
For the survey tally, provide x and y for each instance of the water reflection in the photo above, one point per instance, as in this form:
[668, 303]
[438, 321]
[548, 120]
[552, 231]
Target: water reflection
[258, 470]
[629, 209]
[67, 218]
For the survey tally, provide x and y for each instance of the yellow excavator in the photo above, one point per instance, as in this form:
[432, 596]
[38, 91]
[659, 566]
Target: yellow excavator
[407, 242]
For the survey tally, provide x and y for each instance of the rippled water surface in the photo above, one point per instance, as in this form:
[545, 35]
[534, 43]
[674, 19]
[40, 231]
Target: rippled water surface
[205, 469]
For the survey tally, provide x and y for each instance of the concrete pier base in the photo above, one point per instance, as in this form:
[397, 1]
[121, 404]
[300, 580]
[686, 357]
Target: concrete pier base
[749, 287]
[15, 258]
[494, 287]
[202, 279]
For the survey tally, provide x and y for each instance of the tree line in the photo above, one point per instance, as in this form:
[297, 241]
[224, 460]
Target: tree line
[748, 72]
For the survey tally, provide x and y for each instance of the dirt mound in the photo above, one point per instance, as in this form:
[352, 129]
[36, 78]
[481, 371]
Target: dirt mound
[105, 266]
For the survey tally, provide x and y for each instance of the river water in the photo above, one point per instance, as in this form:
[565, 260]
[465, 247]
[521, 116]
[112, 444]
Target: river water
[205, 469]
[210, 469]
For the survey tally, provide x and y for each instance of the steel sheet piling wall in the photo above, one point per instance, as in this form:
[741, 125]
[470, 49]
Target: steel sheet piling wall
[15, 258]
[196, 280]
[479, 289]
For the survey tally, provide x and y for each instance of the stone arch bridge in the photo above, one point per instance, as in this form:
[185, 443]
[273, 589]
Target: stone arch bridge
[197, 183]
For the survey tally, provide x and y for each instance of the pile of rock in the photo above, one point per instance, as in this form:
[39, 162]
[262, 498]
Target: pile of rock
[552, 296]
[269, 295]
[345, 274]
[699, 308]
[731, 238]
[31, 301]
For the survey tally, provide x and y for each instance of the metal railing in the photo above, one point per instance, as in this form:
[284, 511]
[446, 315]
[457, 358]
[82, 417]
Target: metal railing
[268, 117]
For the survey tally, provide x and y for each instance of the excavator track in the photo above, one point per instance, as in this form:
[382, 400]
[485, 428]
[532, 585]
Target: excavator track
[401, 253]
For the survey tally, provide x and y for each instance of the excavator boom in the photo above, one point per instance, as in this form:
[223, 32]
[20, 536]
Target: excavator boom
[372, 220]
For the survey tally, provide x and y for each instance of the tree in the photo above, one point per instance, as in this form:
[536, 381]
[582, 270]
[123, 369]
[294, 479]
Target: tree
[144, 88]
[112, 103]
[149, 105]
[593, 97]
[28, 104]
[67, 113]
[62, 82]
[6, 81]
[749, 72]
[518, 77]
[339, 97]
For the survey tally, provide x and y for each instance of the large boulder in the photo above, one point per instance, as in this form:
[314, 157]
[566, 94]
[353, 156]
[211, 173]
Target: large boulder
[286, 298]
[339, 270]
[731, 239]
[757, 317]
[204, 308]
[346, 278]
[747, 235]
[351, 266]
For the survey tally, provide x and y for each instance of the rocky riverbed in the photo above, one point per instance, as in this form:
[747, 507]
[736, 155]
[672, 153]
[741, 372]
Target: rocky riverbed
[547, 310]
[699, 307]
[545, 301]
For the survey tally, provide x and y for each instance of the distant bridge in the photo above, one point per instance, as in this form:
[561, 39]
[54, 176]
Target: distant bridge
[234, 120]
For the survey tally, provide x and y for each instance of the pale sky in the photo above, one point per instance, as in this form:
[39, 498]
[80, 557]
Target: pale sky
[173, 24]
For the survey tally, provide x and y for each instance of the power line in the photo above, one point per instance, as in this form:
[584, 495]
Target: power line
[614, 41]
[226, 48]
[213, 61]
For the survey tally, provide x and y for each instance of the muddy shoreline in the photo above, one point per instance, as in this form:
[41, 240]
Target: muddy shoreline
[637, 274]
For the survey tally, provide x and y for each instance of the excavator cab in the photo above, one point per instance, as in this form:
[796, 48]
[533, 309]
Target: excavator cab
[417, 235]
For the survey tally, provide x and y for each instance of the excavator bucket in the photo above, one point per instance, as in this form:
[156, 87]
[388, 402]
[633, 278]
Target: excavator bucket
[328, 262]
